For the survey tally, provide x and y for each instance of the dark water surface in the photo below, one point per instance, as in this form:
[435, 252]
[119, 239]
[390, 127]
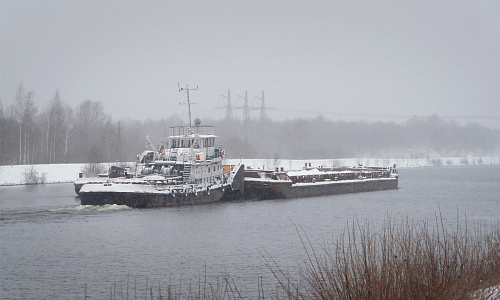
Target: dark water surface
[53, 248]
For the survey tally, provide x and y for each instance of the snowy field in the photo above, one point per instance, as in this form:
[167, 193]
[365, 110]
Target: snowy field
[61, 173]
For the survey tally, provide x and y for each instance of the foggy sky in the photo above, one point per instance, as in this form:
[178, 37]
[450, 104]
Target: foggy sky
[373, 60]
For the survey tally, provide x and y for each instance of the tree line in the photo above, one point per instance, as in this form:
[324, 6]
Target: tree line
[59, 133]
[320, 138]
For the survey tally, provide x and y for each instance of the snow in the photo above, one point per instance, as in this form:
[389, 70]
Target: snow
[60, 173]
[118, 188]
[327, 182]
[491, 293]
[287, 164]
[54, 173]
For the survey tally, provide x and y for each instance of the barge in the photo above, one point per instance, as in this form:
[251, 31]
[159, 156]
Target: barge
[313, 182]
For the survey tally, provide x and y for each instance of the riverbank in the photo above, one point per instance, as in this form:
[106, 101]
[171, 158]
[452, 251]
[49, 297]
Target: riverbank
[64, 173]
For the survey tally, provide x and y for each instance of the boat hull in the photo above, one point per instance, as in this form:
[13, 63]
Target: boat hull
[138, 193]
[277, 189]
[151, 199]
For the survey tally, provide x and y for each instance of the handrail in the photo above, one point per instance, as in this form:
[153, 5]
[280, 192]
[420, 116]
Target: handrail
[184, 130]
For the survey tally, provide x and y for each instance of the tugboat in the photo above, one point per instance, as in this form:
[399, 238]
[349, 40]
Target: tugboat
[187, 169]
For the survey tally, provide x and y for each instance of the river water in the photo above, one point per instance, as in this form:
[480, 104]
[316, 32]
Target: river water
[53, 248]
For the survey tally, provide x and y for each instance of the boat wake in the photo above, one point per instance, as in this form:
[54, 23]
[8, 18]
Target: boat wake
[91, 208]
[58, 214]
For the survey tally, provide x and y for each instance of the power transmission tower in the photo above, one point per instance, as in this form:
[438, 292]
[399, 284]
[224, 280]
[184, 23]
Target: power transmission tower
[229, 108]
[246, 111]
[263, 115]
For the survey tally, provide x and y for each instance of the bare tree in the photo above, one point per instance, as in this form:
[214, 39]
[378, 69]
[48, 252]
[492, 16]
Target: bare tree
[26, 112]
[89, 126]
[3, 136]
[67, 123]
[56, 132]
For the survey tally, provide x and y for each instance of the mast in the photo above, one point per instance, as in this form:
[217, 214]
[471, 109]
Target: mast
[187, 89]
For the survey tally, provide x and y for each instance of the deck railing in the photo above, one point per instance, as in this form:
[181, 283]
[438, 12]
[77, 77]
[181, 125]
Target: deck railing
[183, 130]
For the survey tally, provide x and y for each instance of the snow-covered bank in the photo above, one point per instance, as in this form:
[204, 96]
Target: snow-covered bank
[60, 173]
[294, 164]
[54, 173]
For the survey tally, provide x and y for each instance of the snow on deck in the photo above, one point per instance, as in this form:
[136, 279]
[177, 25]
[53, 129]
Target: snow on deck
[315, 171]
[325, 182]
[118, 188]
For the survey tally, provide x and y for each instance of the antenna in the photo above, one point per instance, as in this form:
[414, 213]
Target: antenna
[187, 89]
[229, 108]
[263, 114]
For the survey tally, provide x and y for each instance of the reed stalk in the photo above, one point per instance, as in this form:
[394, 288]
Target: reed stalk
[404, 259]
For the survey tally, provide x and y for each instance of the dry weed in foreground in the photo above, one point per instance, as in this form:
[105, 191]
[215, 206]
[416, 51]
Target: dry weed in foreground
[404, 260]
[224, 287]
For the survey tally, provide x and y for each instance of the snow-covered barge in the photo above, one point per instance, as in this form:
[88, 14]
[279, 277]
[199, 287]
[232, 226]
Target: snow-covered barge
[311, 182]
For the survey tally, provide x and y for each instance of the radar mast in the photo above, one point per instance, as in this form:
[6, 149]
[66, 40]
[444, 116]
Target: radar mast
[187, 89]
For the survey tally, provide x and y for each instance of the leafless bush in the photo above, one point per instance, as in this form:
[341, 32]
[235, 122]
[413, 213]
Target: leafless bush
[407, 260]
[31, 176]
[404, 260]
[436, 162]
[93, 169]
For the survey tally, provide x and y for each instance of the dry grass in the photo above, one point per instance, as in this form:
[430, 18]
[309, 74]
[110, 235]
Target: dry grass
[224, 287]
[404, 260]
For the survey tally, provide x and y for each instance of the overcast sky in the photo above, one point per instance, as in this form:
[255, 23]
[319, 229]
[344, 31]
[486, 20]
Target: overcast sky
[341, 59]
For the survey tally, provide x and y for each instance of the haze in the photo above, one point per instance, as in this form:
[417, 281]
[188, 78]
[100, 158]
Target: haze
[371, 60]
